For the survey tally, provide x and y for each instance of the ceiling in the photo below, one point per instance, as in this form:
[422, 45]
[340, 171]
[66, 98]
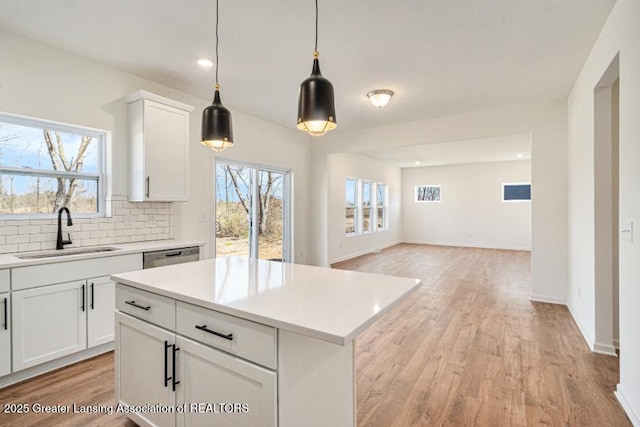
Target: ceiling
[439, 56]
[515, 147]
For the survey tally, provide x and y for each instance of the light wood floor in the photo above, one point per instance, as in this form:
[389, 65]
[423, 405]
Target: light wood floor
[466, 349]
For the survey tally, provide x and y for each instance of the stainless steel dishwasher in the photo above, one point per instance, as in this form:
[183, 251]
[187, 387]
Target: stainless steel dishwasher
[169, 257]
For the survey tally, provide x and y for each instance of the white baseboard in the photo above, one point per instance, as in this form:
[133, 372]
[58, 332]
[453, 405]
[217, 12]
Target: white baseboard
[607, 349]
[52, 365]
[362, 252]
[587, 339]
[547, 299]
[469, 245]
[616, 344]
[626, 405]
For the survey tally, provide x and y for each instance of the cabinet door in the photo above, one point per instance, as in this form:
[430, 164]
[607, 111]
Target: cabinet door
[5, 334]
[48, 323]
[210, 376]
[101, 297]
[166, 138]
[143, 365]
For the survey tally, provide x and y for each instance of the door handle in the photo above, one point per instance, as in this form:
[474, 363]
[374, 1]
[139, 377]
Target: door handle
[167, 346]
[6, 314]
[83, 297]
[174, 383]
[92, 297]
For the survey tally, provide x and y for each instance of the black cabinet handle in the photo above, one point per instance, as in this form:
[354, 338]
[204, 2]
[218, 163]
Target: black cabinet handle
[174, 383]
[133, 303]
[148, 186]
[83, 297]
[92, 298]
[218, 334]
[173, 254]
[167, 346]
[6, 314]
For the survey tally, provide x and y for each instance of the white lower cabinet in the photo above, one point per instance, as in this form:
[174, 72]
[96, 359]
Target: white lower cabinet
[144, 364]
[209, 386]
[101, 303]
[210, 376]
[5, 334]
[56, 320]
[48, 323]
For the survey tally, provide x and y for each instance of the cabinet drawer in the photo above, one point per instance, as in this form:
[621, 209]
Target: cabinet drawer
[145, 305]
[4, 280]
[246, 339]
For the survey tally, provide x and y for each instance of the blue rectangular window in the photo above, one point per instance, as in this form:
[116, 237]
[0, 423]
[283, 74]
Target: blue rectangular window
[516, 192]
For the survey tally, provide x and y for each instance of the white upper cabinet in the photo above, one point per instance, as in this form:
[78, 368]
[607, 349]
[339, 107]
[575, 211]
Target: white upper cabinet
[158, 148]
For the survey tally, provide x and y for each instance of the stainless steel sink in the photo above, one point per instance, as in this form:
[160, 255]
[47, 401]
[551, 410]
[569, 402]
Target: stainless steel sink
[66, 252]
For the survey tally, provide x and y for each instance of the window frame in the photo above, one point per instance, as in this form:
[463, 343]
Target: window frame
[373, 219]
[504, 184]
[385, 207]
[358, 207]
[103, 138]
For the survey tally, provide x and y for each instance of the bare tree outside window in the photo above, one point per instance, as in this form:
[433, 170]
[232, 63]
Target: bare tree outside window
[43, 169]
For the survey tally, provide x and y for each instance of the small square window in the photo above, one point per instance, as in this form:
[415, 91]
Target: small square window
[427, 193]
[516, 192]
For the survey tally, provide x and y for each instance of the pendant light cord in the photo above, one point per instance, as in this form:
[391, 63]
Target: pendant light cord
[316, 47]
[217, 20]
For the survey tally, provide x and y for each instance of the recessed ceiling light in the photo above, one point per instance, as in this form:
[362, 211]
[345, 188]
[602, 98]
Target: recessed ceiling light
[205, 63]
[519, 155]
[417, 163]
[380, 97]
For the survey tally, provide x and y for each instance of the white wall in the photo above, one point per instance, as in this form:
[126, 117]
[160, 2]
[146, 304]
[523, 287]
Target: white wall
[40, 81]
[546, 121]
[471, 211]
[360, 166]
[620, 35]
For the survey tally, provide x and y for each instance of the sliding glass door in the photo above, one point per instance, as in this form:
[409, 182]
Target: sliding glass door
[252, 211]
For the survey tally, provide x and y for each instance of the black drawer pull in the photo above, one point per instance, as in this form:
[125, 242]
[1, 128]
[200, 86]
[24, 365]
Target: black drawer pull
[218, 334]
[83, 297]
[133, 303]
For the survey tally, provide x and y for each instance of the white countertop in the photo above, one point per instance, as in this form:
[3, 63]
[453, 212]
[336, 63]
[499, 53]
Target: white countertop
[12, 260]
[332, 305]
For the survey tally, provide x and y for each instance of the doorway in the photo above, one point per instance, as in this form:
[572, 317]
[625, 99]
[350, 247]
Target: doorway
[252, 211]
[606, 204]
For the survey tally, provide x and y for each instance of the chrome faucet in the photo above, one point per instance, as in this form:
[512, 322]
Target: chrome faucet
[60, 243]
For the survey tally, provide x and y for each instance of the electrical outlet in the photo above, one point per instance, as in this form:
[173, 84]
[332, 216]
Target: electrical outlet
[152, 219]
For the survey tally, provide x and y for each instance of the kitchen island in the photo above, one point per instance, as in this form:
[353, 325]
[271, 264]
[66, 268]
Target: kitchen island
[240, 342]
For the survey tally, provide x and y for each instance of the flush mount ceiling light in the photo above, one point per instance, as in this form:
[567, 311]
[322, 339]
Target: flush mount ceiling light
[217, 132]
[205, 63]
[316, 106]
[380, 97]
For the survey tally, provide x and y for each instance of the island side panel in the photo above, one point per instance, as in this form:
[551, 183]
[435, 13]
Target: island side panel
[316, 382]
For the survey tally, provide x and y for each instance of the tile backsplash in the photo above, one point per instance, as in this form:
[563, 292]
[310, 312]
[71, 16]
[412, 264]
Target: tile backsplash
[130, 222]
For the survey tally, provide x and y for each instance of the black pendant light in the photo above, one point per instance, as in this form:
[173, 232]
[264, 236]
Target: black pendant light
[217, 131]
[316, 106]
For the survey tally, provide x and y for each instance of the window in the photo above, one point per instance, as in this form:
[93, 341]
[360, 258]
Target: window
[427, 193]
[45, 165]
[382, 206]
[516, 192]
[367, 207]
[352, 211]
